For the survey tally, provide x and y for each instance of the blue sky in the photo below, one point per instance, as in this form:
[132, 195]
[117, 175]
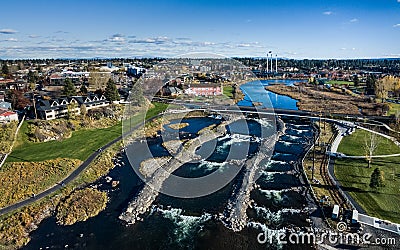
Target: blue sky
[292, 29]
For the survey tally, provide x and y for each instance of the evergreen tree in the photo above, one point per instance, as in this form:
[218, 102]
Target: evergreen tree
[4, 69]
[83, 89]
[356, 81]
[69, 88]
[111, 92]
[377, 178]
[370, 85]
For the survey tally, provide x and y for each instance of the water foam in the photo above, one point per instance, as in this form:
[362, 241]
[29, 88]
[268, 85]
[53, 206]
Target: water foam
[186, 226]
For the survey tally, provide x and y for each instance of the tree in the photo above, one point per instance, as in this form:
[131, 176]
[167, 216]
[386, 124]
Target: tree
[382, 87]
[4, 69]
[69, 88]
[71, 110]
[356, 81]
[98, 80]
[32, 77]
[370, 90]
[370, 144]
[83, 110]
[17, 99]
[83, 89]
[377, 179]
[111, 92]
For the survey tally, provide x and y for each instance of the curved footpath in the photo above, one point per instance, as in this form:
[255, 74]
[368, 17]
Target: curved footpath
[362, 217]
[70, 177]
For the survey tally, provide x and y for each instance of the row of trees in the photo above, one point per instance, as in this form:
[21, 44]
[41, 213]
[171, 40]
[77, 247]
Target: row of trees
[110, 92]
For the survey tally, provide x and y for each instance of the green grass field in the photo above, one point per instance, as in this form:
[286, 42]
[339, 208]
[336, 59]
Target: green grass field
[80, 145]
[354, 176]
[228, 91]
[394, 108]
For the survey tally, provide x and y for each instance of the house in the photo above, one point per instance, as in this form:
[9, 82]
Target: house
[204, 89]
[19, 85]
[59, 78]
[58, 108]
[7, 115]
[5, 105]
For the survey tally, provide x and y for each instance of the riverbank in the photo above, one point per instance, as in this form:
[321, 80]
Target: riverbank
[318, 99]
[16, 226]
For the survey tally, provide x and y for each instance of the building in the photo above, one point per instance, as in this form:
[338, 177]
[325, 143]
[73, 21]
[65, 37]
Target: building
[75, 77]
[204, 89]
[7, 115]
[5, 105]
[58, 108]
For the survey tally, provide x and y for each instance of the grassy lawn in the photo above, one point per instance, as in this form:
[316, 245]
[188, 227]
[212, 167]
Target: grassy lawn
[80, 145]
[228, 91]
[333, 82]
[394, 108]
[354, 176]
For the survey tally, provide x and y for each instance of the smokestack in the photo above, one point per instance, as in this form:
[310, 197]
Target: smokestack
[267, 61]
[272, 61]
[276, 63]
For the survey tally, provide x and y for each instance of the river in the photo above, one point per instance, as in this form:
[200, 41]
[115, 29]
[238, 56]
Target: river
[255, 93]
[175, 223]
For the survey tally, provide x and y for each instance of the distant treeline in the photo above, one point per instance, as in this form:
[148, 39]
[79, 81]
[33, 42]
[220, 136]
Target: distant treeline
[389, 65]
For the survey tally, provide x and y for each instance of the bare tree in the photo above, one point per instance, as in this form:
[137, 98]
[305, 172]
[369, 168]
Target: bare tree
[370, 144]
[98, 80]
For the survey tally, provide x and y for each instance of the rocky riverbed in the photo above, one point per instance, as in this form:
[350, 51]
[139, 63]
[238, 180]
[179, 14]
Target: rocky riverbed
[142, 202]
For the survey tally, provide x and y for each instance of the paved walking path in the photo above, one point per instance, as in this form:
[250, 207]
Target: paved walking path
[362, 217]
[69, 178]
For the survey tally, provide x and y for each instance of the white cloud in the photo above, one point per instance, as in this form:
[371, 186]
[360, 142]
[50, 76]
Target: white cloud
[12, 39]
[328, 13]
[7, 31]
[354, 20]
[396, 25]
[119, 38]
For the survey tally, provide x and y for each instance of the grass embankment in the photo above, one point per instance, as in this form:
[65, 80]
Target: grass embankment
[16, 226]
[80, 145]
[20, 180]
[318, 99]
[394, 109]
[354, 176]
[228, 91]
[7, 133]
[81, 205]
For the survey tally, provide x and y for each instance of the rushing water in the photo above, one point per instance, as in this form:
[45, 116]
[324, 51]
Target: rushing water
[175, 223]
[255, 92]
